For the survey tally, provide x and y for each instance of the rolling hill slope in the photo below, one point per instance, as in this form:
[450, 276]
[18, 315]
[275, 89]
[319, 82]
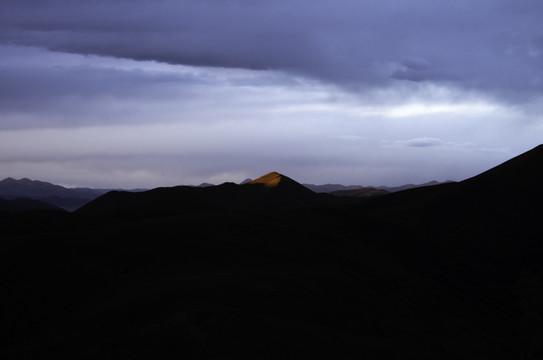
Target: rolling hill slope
[272, 270]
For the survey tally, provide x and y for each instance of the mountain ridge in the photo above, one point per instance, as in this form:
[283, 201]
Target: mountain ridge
[25, 204]
[71, 199]
[276, 180]
[59, 196]
[329, 188]
[271, 191]
[451, 271]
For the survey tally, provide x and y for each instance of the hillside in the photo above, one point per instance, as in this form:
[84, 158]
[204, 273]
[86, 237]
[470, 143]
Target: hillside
[270, 269]
[24, 204]
[59, 196]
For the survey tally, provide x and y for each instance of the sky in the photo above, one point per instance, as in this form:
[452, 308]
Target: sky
[141, 93]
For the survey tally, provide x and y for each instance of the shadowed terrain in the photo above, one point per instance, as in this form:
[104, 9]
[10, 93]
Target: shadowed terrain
[59, 196]
[270, 269]
[23, 204]
[363, 192]
[271, 191]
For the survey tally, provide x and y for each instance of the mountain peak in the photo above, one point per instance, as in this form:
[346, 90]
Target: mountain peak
[8, 180]
[275, 180]
[272, 179]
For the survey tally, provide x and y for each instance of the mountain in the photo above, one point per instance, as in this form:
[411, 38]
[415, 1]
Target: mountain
[329, 188]
[71, 199]
[270, 269]
[10, 188]
[361, 192]
[410, 186]
[68, 199]
[281, 182]
[271, 191]
[24, 204]
[326, 188]
[204, 184]
[501, 192]
[524, 172]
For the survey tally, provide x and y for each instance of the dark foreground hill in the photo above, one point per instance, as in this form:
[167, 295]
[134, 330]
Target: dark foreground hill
[271, 270]
[24, 204]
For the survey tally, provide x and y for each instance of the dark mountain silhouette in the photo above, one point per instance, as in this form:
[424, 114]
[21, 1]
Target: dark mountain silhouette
[361, 192]
[10, 187]
[411, 186]
[24, 204]
[270, 269]
[329, 188]
[504, 189]
[204, 184]
[269, 191]
[281, 183]
[68, 199]
[71, 199]
[523, 171]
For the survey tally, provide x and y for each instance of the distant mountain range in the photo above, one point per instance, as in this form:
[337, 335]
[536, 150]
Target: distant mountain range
[61, 197]
[330, 188]
[71, 199]
[68, 199]
[271, 269]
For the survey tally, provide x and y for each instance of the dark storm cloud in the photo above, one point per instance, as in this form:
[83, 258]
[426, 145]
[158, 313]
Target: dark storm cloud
[374, 92]
[488, 45]
[64, 95]
[34, 87]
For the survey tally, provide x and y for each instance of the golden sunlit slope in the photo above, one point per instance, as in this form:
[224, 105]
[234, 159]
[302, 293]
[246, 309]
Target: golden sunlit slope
[279, 181]
[269, 180]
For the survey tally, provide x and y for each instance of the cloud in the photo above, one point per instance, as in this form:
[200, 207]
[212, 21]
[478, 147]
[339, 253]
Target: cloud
[422, 142]
[41, 89]
[489, 45]
[155, 93]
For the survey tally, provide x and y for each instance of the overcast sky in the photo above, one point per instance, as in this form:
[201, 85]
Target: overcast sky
[145, 93]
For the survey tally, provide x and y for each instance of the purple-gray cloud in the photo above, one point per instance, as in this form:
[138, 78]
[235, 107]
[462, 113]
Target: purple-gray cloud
[145, 93]
[490, 45]
[422, 142]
